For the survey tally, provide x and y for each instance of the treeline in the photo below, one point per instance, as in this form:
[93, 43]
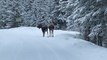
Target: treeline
[15, 13]
[88, 17]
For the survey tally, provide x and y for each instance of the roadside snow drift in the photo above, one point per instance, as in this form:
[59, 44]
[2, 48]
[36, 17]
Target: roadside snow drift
[27, 43]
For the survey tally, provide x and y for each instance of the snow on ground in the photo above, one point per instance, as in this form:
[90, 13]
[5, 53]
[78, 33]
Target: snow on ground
[27, 43]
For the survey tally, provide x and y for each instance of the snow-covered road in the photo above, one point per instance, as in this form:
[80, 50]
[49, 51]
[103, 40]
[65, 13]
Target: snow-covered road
[27, 43]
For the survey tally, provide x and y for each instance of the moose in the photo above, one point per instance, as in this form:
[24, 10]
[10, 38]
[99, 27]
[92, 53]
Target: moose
[46, 27]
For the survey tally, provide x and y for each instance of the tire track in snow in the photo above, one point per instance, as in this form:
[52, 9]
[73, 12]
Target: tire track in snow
[67, 51]
[39, 54]
[46, 45]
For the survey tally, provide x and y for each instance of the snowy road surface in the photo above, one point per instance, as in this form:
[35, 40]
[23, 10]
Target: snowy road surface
[27, 43]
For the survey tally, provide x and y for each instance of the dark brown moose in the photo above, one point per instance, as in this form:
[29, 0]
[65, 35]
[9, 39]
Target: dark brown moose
[46, 27]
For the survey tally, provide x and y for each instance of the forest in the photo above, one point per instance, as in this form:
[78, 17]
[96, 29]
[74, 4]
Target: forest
[89, 17]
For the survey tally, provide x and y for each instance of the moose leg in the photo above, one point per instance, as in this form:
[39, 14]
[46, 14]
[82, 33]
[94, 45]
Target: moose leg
[52, 33]
[43, 34]
[47, 32]
[43, 31]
